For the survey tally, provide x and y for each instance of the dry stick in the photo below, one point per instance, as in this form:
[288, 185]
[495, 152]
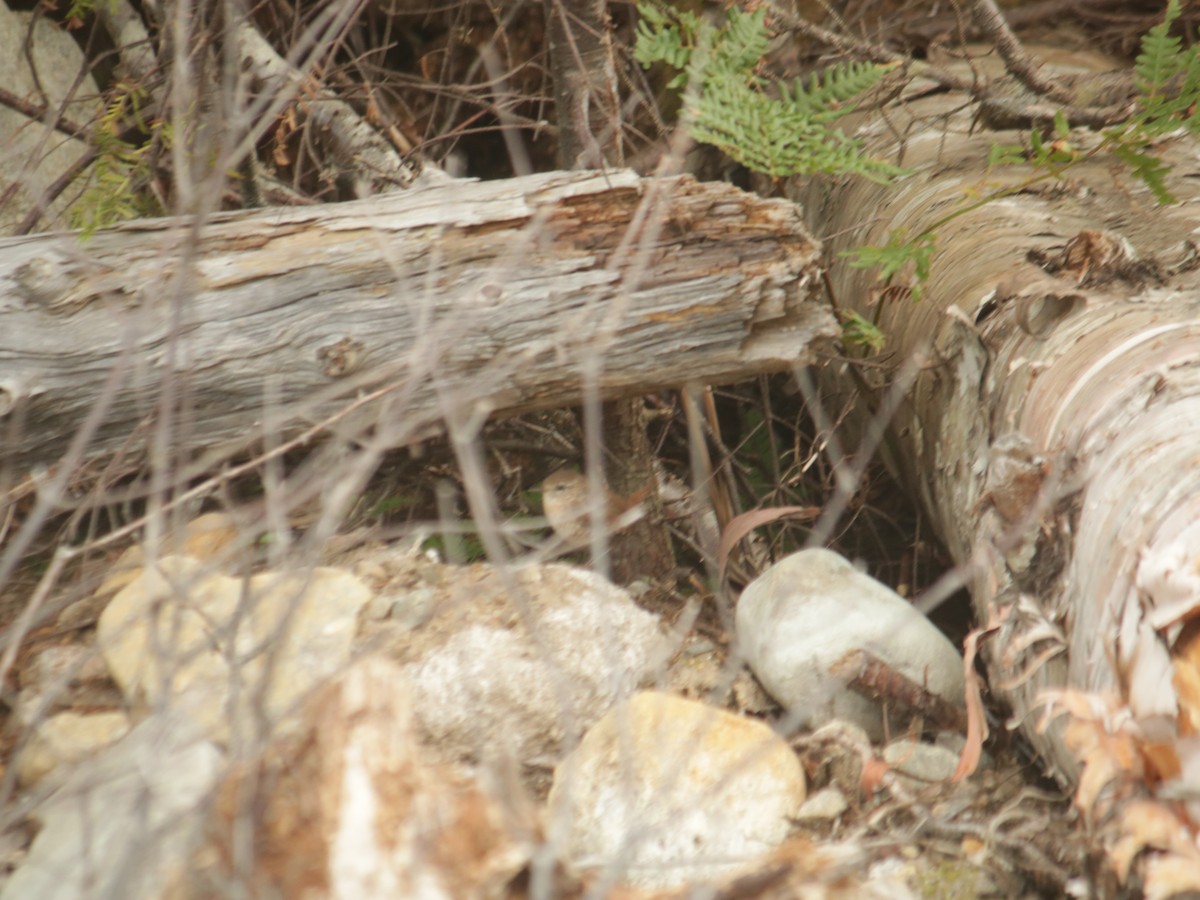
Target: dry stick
[24, 624]
[510, 130]
[588, 111]
[874, 52]
[871, 677]
[359, 147]
[1088, 117]
[38, 112]
[1030, 14]
[129, 35]
[51, 193]
[47, 500]
[1016, 60]
[49, 491]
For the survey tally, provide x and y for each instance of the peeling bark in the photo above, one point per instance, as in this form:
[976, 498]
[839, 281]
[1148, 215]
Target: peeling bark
[1054, 431]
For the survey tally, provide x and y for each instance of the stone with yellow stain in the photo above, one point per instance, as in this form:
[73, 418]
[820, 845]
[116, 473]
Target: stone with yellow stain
[668, 792]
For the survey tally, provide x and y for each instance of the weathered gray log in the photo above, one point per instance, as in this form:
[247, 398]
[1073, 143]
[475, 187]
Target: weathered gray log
[455, 299]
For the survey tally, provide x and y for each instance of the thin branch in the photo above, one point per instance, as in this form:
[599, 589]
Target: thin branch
[40, 112]
[1010, 108]
[1024, 67]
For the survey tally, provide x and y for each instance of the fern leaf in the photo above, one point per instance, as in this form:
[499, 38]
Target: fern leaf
[827, 94]
[1151, 170]
[1158, 61]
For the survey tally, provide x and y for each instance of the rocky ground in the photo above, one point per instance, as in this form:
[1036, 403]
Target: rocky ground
[388, 725]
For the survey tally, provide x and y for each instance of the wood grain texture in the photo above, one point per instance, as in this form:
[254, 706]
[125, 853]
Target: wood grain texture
[457, 299]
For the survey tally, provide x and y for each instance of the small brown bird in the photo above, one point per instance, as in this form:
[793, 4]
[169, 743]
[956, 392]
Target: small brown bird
[565, 501]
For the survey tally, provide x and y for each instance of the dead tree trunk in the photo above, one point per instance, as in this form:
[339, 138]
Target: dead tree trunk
[466, 298]
[1053, 434]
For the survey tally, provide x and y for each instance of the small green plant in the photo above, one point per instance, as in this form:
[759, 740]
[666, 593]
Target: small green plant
[114, 189]
[81, 9]
[897, 253]
[455, 547]
[860, 332]
[768, 126]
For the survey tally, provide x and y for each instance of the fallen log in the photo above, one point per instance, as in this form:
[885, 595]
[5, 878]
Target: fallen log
[455, 299]
[1052, 433]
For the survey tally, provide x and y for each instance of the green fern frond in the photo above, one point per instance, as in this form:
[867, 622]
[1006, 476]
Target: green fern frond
[1150, 169]
[1168, 82]
[828, 94]
[766, 126]
[113, 190]
[744, 40]
[661, 39]
[1160, 59]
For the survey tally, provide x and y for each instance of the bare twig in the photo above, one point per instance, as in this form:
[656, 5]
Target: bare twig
[869, 676]
[1026, 69]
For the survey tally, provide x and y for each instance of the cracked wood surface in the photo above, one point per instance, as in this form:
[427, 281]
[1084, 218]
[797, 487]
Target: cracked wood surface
[456, 299]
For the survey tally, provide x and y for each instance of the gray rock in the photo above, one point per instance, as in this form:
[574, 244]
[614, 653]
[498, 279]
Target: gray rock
[825, 805]
[35, 155]
[920, 764]
[121, 821]
[805, 614]
[514, 662]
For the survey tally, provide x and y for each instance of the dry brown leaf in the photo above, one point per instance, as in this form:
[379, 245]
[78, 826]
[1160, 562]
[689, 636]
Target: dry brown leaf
[1185, 658]
[873, 770]
[1162, 760]
[977, 730]
[740, 526]
[1147, 824]
[1096, 733]
[1108, 758]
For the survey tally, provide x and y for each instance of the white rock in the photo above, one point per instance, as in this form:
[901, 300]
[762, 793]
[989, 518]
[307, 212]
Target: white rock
[802, 616]
[664, 792]
[826, 804]
[514, 662]
[65, 738]
[919, 763]
[355, 803]
[121, 820]
[183, 634]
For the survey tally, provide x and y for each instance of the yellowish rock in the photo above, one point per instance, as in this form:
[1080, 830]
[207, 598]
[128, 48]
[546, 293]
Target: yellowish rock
[227, 647]
[665, 792]
[66, 738]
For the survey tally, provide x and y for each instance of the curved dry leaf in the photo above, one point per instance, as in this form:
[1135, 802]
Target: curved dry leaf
[1149, 825]
[977, 730]
[740, 526]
